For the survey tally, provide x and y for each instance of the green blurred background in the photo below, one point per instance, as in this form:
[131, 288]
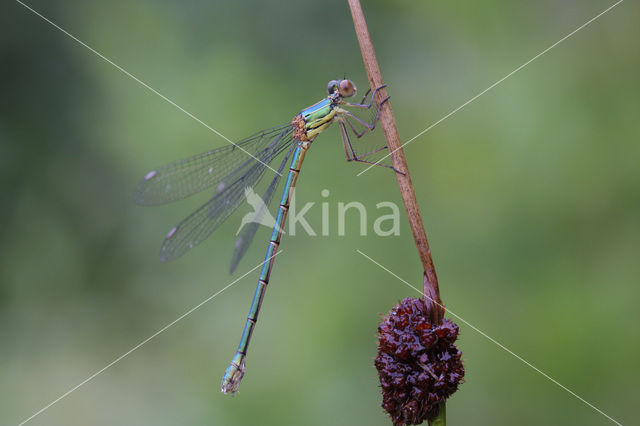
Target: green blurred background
[530, 196]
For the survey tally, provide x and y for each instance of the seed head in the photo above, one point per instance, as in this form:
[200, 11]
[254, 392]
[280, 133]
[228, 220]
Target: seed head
[418, 363]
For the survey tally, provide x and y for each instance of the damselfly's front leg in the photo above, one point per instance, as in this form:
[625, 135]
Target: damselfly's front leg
[373, 95]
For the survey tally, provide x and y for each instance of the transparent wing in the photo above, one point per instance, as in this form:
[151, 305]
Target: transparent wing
[229, 194]
[249, 231]
[178, 180]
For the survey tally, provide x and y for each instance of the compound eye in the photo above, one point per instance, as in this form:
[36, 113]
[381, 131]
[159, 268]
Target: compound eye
[332, 86]
[347, 88]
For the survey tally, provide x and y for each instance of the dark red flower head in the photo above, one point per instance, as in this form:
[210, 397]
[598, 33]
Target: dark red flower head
[418, 364]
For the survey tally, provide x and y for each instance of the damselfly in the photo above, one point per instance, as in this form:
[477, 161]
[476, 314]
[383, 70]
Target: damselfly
[232, 169]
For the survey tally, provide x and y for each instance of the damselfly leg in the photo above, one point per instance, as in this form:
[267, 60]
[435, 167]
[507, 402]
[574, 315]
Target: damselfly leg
[346, 117]
[373, 95]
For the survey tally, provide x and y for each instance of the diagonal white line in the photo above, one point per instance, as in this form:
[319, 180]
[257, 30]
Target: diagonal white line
[518, 357]
[91, 377]
[127, 73]
[494, 84]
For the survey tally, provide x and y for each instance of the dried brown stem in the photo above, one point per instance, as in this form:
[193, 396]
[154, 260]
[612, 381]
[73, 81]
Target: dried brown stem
[399, 161]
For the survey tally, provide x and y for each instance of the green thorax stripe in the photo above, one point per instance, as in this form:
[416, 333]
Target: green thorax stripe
[317, 113]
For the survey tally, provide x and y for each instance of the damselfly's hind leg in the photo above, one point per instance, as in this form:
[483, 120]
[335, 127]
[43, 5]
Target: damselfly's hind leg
[350, 153]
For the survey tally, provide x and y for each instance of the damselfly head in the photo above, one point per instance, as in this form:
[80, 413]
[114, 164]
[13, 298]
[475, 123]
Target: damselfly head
[345, 88]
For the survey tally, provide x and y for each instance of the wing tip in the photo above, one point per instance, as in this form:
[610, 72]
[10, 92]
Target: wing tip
[233, 266]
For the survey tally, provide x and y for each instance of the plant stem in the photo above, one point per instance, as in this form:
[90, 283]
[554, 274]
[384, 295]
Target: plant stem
[441, 418]
[399, 161]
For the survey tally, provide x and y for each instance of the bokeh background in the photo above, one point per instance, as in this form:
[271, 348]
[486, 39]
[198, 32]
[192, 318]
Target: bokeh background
[530, 196]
